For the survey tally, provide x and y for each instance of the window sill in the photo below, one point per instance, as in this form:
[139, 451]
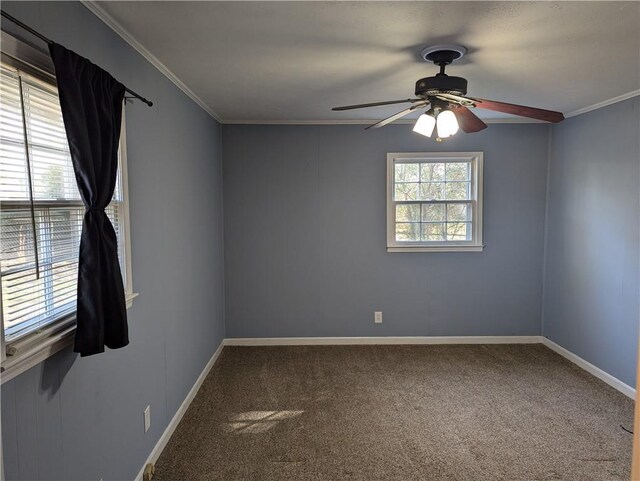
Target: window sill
[129, 299]
[467, 248]
[38, 347]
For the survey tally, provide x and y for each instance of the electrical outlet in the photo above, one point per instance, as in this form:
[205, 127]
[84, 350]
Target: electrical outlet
[377, 317]
[147, 418]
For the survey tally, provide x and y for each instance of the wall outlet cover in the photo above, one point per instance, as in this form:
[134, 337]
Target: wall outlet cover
[377, 317]
[147, 418]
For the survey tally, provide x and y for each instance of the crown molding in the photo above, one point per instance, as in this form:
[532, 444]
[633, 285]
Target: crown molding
[510, 120]
[604, 103]
[514, 120]
[107, 19]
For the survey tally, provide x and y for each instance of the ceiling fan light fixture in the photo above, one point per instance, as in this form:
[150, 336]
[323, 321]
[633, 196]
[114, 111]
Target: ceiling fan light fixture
[447, 124]
[424, 125]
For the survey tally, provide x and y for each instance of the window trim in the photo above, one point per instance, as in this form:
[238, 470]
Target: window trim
[476, 244]
[35, 347]
[124, 179]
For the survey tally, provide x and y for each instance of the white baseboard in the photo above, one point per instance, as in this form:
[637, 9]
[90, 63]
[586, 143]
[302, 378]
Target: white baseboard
[591, 369]
[333, 341]
[166, 435]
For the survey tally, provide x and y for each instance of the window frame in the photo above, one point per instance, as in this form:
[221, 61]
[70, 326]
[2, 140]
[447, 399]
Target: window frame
[32, 348]
[476, 160]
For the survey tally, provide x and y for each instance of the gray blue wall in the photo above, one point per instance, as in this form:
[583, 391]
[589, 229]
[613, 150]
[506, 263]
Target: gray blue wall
[305, 236]
[81, 419]
[591, 295]
[305, 254]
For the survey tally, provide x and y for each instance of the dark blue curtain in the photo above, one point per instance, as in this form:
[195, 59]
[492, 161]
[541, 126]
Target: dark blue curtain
[91, 102]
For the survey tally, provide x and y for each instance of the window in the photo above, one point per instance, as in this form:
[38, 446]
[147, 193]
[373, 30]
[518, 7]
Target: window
[41, 214]
[434, 202]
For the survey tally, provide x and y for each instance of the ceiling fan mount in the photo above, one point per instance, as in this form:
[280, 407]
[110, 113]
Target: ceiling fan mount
[443, 54]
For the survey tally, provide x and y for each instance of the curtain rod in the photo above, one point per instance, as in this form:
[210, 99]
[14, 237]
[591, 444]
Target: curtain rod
[49, 42]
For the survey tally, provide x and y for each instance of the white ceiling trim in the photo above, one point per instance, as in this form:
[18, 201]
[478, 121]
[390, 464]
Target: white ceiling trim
[604, 103]
[131, 40]
[364, 122]
[514, 120]
[127, 37]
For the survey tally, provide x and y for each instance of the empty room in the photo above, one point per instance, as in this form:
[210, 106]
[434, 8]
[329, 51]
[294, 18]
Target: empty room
[319, 241]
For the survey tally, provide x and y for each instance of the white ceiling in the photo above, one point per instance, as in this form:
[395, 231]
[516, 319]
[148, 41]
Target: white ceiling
[293, 61]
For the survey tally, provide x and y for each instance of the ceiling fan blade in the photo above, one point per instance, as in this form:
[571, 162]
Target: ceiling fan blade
[388, 120]
[468, 121]
[521, 110]
[376, 104]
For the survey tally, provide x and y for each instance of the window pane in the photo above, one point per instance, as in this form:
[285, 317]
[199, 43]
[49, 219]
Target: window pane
[432, 212]
[64, 277]
[433, 232]
[29, 301]
[432, 172]
[51, 168]
[458, 213]
[406, 191]
[407, 172]
[458, 231]
[63, 228]
[13, 172]
[16, 242]
[406, 232]
[457, 190]
[432, 191]
[457, 171]
[21, 298]
[408, 213]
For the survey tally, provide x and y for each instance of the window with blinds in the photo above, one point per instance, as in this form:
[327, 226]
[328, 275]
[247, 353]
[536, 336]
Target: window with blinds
[40, 208]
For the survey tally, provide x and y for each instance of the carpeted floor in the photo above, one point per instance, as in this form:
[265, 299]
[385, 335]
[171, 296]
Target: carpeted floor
[489, 412]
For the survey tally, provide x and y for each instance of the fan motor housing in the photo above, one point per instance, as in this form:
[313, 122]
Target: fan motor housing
[441, 83]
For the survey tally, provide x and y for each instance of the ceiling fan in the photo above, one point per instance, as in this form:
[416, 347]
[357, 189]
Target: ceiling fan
[445, 99]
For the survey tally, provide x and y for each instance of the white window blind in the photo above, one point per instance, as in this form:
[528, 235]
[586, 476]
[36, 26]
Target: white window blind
[434, 201]
[40, 208]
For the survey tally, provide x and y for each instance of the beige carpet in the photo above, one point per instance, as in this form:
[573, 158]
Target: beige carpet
[500, 412]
